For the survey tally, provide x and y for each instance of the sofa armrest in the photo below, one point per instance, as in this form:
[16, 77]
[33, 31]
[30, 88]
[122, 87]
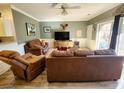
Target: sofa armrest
[26, 55]
[18, 64]
[19, 69]
[6, 60]
[21, 60]
[13, 62]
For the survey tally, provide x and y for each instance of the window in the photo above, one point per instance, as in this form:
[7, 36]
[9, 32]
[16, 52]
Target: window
[104, 31]
[120, 38]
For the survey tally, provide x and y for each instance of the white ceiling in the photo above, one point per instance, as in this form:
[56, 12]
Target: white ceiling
[44, 12]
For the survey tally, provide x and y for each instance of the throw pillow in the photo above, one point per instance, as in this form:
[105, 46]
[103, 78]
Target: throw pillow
[105, 52]
[73, 49]
[46, 43]
[57, 53]
[43, 43]
[62, 48]
[83, 53]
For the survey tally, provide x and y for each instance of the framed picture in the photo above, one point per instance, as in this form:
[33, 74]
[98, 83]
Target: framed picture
[31, 29]
[47, 29]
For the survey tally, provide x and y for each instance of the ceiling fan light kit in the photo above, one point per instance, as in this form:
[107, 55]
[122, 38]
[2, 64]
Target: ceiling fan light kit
[64, 12]
[64, 7]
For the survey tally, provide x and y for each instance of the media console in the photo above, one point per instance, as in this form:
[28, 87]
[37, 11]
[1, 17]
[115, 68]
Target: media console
[63, 43]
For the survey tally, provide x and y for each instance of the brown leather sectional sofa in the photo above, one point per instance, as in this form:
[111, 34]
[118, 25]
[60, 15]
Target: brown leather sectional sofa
[89, 68]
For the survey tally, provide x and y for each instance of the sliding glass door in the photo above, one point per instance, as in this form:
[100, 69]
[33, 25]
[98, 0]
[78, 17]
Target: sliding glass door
[120, 38]
[104, 32]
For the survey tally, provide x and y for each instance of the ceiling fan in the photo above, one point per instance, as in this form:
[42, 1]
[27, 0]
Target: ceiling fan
[64, 7]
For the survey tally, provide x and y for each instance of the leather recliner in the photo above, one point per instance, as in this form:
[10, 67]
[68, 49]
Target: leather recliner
[36, 47]
[27, 66]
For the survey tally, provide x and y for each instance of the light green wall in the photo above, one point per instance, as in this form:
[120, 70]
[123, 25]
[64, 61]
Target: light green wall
[73, 26]
[21, 33]
[20, 27]
[101, 18]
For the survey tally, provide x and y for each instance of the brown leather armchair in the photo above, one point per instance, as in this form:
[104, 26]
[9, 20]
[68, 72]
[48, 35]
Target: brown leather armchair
[36, 47]
[27, 66]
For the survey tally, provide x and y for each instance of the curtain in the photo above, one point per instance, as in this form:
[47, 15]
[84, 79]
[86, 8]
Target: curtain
[90, 44]
[115, 32]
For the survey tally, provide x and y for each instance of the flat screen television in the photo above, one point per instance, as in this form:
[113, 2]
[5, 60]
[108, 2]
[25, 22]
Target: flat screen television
[62, 36]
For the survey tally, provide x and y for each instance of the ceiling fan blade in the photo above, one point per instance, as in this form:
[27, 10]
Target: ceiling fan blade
[54, 4]
[73, 7]
[65, 5]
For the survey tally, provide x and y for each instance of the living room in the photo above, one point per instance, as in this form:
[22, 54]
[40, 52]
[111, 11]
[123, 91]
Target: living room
[61, 45]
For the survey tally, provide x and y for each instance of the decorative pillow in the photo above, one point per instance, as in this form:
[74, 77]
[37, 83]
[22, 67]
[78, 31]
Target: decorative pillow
[62, 48]
[45, 49]
[8, 53]
[83, 53]
[57, 53]
[73, 49]
[46, 43]
[43, 43]
[105, 52]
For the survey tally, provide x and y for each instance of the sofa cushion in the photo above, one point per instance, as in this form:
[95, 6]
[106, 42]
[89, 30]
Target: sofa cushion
[8, 53]
[73, 49]
[83, 53]
[105, 52]
[38, 46]
[57, 53]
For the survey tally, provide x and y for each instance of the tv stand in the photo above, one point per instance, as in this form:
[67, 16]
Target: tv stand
[63, 43]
